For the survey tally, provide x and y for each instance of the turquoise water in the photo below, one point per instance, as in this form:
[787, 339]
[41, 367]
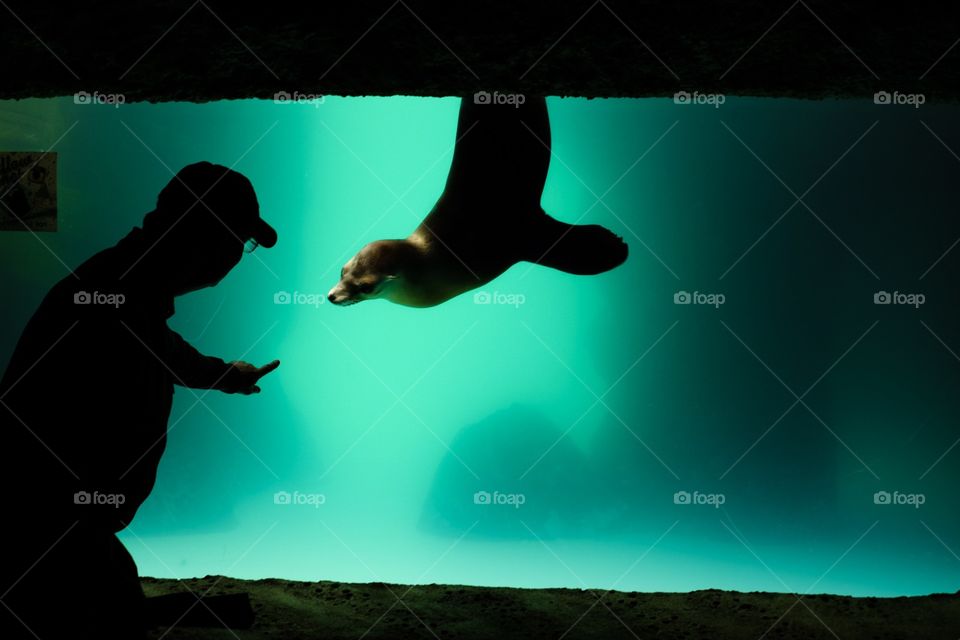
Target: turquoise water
[591, 401]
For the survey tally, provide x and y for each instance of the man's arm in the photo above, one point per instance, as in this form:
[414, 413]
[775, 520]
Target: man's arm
[195, 370]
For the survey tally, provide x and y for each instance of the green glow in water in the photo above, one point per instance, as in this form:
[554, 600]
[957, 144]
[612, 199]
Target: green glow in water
[596, 399]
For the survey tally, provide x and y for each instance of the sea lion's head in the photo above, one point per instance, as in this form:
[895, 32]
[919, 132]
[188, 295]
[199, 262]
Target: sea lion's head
[368, 275]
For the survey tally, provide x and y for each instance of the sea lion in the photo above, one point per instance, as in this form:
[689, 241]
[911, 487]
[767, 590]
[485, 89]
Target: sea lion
[487, 219]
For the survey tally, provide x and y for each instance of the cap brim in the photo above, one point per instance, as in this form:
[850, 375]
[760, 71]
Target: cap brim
[264, 234]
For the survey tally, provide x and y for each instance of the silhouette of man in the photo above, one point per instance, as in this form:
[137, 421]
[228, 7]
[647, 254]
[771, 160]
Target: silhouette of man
[85, 402]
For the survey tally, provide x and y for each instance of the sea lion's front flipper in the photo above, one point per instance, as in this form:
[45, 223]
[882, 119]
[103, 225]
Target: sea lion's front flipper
[580, 249]
[501, 154]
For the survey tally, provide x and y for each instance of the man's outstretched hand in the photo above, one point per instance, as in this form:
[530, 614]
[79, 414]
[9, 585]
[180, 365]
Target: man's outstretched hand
[243, 377]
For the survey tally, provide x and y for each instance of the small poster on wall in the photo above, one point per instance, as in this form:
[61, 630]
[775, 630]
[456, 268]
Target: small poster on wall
[28, 191]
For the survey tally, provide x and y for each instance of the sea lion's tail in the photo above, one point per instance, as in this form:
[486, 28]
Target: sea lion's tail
[579, 249]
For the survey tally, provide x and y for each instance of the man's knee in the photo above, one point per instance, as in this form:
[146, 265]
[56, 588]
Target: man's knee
[81, 584]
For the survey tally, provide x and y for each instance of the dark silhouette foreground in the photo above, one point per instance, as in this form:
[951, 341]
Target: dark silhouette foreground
[291, 610]
[86, 399]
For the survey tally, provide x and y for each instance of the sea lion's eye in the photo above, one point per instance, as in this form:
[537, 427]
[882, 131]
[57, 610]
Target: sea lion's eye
[366, 287]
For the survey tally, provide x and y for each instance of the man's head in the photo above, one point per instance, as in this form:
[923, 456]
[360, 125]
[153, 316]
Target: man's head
[370, 274]
[205, 217]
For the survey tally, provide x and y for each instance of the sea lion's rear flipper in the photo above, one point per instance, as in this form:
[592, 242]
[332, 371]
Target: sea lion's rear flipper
[501, 154]
[585, 249]
[496, 179]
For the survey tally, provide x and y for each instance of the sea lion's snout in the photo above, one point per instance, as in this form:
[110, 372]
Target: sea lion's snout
[339, 296]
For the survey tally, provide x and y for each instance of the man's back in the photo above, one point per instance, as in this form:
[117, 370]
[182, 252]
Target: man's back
[87, 396]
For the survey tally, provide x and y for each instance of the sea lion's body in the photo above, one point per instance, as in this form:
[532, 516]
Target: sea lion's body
[487, 219]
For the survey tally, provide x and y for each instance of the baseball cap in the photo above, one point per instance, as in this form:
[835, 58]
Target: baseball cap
[228, 194]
